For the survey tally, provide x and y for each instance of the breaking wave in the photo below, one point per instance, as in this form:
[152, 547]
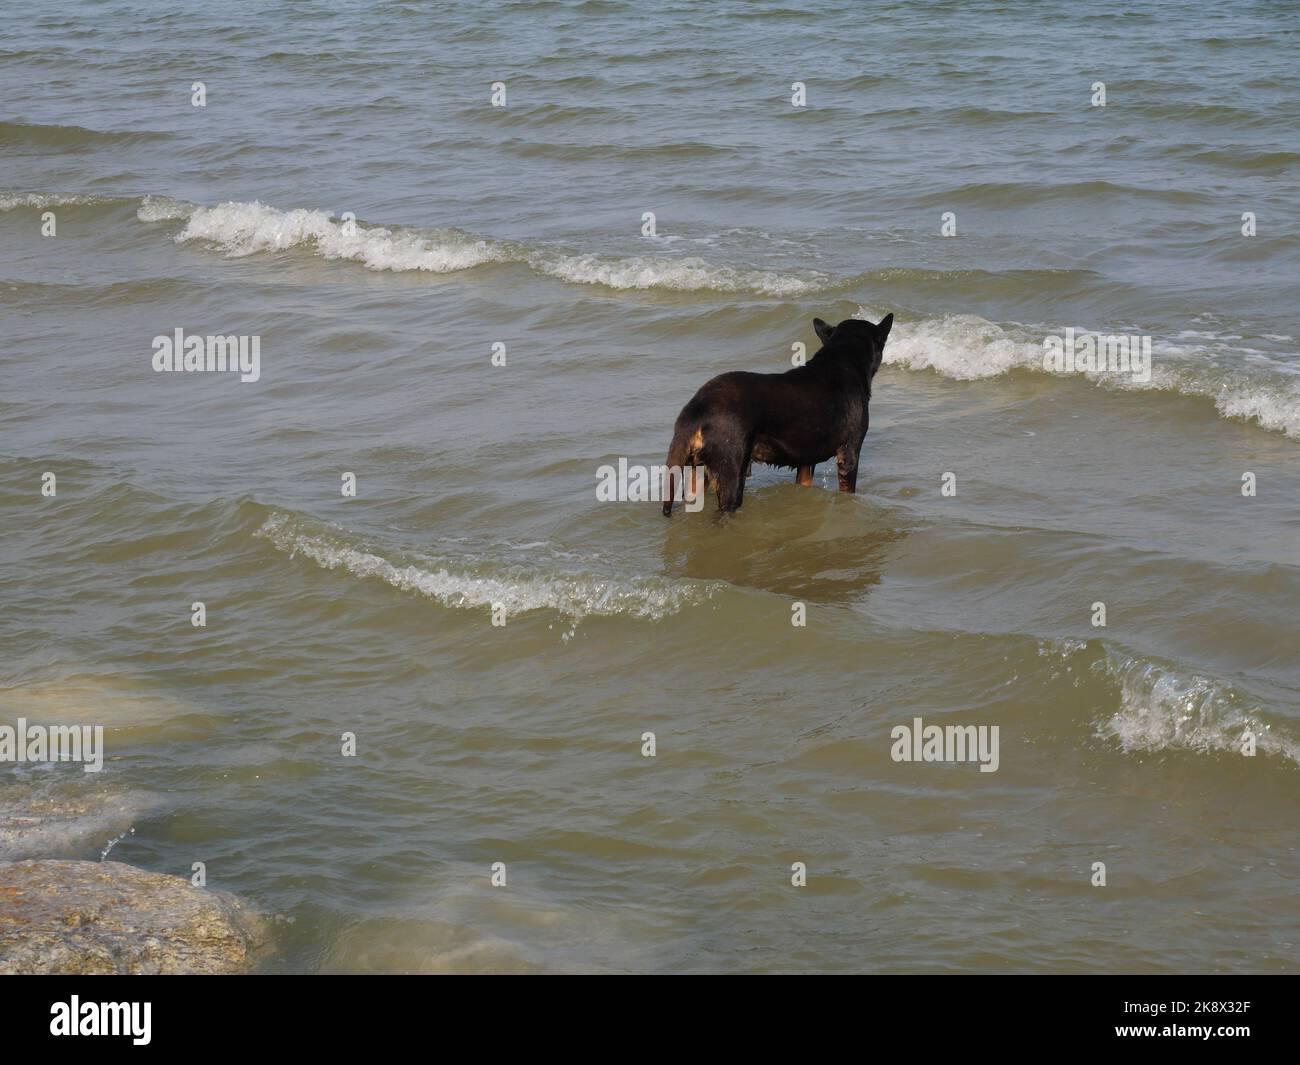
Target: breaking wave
[965, 347]
[1163, 708]
[464, 583]
[962, 347]
[240, 229]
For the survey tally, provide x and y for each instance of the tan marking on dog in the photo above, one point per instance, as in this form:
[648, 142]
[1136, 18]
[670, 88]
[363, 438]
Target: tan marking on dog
[696, 443]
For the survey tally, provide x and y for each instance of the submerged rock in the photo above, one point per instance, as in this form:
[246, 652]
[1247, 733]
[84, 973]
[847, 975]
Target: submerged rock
[70, 823]
[86, 918]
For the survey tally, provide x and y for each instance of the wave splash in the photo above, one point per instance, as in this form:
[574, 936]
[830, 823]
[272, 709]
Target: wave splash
[241, 229]
[1162, 708]
[964, 347]
[463, 584]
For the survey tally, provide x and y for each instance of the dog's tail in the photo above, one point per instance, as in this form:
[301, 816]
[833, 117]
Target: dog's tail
[678, 452]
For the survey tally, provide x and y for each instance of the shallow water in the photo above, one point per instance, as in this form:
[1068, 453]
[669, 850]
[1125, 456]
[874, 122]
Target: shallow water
[476, 483]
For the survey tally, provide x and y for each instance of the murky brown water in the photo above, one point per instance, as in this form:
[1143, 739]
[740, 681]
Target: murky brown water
[522, 743]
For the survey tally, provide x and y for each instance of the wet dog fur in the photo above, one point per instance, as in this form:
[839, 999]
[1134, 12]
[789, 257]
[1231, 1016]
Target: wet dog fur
[796, 419]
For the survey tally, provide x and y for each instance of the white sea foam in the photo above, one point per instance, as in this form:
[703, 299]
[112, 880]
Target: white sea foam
[461, 585]
[246, 228]
[963, 347]
[1272, 407]
[1162, 709]
[681, 275]
[44, 201]
[163, 209]
[968, 348]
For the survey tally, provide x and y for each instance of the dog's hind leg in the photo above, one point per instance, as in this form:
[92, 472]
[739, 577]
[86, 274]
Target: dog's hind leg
[803, 475]
[846, 465]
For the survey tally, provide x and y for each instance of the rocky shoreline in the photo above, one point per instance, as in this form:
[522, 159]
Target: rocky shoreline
[88, 918]
[63, 915]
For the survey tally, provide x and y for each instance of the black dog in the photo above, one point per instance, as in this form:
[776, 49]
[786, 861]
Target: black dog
[798, 418]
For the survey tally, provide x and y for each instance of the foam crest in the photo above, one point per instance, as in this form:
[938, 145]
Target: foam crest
[42, 201]
[963, 347]
[679, 275]
[1165, 709]
[969, 348]
[163, 209]
[463, 585]
[242, 229]
[1276, 408]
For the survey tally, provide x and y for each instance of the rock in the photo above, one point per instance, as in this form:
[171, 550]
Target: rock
[87, 918]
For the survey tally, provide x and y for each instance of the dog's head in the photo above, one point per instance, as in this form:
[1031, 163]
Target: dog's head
[857, 337]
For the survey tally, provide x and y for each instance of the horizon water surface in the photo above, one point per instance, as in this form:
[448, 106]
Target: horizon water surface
[349, 195]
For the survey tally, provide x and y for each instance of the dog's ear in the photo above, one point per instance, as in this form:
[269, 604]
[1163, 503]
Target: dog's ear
[882, 330]
[823, 330]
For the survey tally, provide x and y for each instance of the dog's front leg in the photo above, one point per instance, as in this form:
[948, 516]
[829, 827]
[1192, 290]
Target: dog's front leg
[846, 465]
[803, 475]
